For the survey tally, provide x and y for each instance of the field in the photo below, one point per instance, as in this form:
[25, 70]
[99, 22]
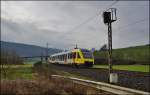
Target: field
[32, 79]
[140, 68]
[137, 54]
[17, 72]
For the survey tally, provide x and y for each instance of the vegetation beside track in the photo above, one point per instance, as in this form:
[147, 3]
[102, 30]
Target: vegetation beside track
[130, 55]
[139, 68]
[36, 79]
[13, 72]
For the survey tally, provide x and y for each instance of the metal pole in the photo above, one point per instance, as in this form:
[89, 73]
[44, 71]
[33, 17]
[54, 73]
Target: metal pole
[110, 47]
[46, 53]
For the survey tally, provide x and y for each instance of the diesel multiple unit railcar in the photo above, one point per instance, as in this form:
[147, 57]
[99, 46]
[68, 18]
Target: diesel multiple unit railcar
[75, 57]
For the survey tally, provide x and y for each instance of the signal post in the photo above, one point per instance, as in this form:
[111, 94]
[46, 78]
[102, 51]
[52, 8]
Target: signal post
[109, 16]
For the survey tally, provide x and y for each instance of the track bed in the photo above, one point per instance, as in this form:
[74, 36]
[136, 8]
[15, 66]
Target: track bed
[135, 80]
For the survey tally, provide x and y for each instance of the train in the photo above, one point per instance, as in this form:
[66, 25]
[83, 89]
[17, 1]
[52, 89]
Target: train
[76, 57]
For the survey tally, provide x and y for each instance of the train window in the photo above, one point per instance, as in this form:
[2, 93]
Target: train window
[67, 55]
[62, 57]
[59, 57]
[87, 54]
[70, 56]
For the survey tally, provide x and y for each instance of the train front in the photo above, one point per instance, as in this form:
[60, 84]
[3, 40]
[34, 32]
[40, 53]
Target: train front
[88, 57]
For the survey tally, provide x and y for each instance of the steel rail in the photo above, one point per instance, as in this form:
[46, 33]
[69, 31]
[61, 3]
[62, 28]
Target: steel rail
[104, 86]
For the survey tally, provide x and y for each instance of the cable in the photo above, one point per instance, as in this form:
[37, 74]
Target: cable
[112, 5]
[91, 18]
[132, 24]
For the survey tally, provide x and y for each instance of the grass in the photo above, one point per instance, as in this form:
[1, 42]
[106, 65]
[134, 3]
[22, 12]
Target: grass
[139, 68]
[18, 66]
[42, 84]
[31, 61]
[137, 53]
[45, 86]
[17, 72]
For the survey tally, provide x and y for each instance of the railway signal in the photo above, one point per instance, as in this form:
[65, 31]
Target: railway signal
[109, 16]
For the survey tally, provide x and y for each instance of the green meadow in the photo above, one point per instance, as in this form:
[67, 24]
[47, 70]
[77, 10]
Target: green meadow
[17, 71]
[139, 68]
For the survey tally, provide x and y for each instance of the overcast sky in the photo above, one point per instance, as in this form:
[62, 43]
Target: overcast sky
[65, 23]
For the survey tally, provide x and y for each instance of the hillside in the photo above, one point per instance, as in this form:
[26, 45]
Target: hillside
[25, 50]
[134, 54]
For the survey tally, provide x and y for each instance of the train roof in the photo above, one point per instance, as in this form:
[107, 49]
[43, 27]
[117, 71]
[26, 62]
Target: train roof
[73, 50]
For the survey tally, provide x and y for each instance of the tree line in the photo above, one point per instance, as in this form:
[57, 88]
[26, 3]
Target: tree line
[10, 57]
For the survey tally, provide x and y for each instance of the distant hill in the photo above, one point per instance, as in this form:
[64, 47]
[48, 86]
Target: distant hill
[25, 50]
[136, 54]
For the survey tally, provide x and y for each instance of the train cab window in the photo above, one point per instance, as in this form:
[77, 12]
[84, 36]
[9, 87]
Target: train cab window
[73, 55]
[78, 55]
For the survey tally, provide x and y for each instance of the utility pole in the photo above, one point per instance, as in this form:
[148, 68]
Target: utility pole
[109, 16]
[46, 58]
[41, 57]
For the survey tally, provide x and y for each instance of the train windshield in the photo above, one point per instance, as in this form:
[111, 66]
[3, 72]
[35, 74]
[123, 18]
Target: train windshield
[87, 53]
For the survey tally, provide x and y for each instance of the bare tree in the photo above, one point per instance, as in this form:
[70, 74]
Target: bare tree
[103, 48]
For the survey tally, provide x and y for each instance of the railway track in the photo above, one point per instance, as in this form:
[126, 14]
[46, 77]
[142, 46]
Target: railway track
[129, 79]
[118, 90]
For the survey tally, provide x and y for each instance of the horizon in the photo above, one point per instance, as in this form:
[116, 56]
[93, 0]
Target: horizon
[68, 49]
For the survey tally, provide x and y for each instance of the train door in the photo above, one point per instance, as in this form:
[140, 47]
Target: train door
[78, 58]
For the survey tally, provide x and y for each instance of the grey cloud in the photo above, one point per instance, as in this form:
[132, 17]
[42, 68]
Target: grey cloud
[52, 22]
